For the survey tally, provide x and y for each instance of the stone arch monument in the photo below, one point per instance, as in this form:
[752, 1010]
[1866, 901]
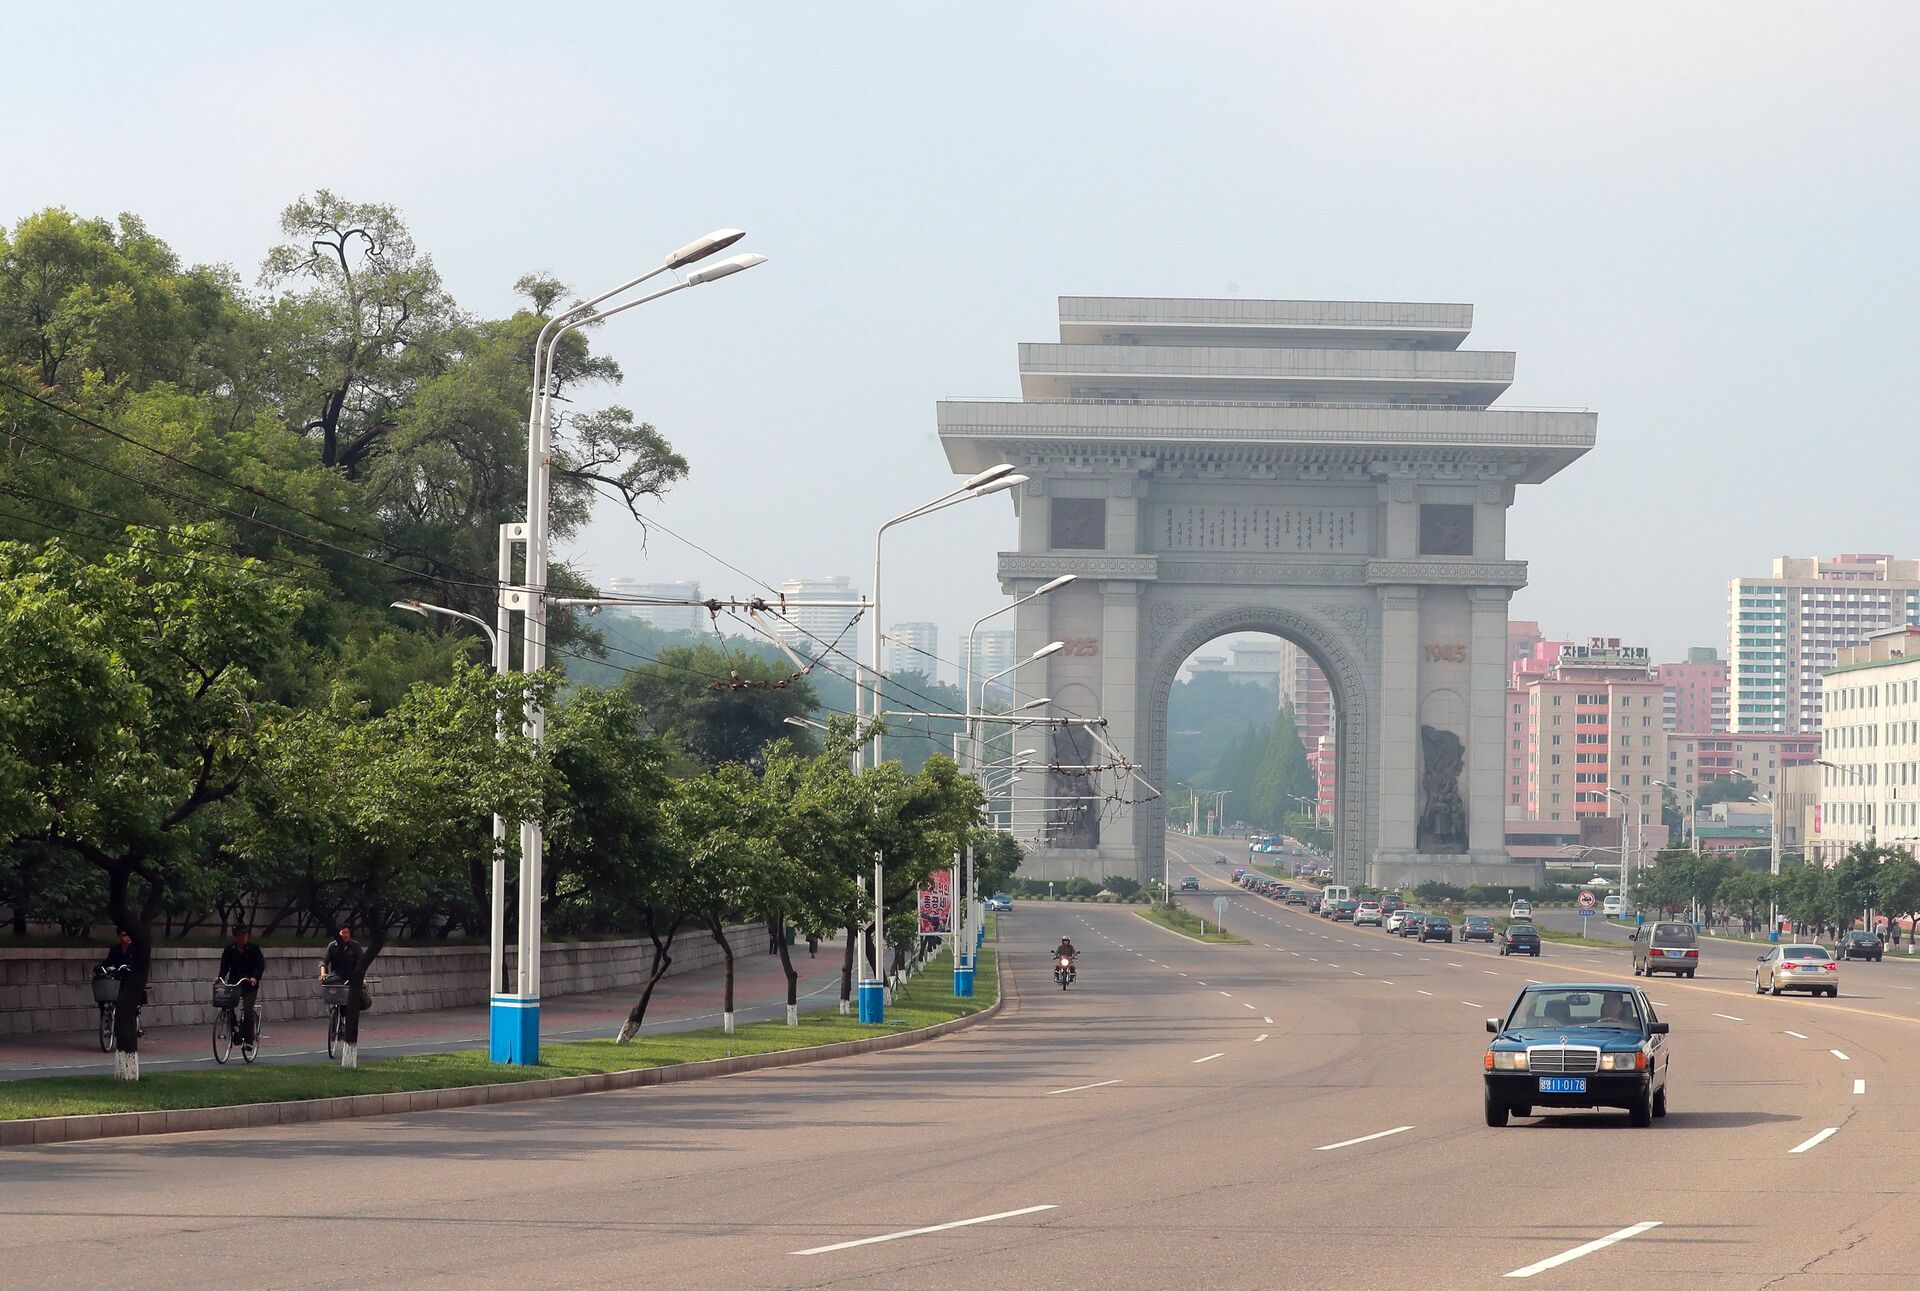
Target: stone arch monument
[1327, 471]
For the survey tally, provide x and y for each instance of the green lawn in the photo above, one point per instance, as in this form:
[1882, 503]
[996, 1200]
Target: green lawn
[1175, 919]
[925, 1001]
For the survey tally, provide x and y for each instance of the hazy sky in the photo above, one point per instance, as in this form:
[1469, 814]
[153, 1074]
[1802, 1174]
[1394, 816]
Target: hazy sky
[1698, 220]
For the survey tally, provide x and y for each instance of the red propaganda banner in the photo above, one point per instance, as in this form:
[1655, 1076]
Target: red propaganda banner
[936, 904]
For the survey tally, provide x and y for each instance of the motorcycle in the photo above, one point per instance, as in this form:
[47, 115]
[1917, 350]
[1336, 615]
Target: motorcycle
[1063, 971]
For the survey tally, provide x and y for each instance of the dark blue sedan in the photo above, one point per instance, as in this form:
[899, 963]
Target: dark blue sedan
[1566, 1046]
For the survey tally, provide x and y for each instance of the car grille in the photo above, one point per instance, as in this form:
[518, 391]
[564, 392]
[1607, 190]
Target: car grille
[1553, 1060]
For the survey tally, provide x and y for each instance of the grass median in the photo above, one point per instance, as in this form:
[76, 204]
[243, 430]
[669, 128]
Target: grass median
[1187, 924]
[924, 1002]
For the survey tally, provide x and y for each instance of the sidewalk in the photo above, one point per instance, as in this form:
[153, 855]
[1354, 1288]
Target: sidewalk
[683, 1002]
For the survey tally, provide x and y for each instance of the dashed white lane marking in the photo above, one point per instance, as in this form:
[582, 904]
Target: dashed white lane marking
[1245, 1005]
[1534, 981]
[1203, 984]
[1451, 964]
[1470, 1004]
[1268, 1021]
[1729, 1017]
[1796, 1035]
[1859, 1086]
[1074, 1089]
[1588, 1248]
[931, 1228]
[1841, 1056]
[1257, 1039]
[1489, 972]
[1197, 1061]
[1356, 972]
[1364, 1138]
[1415, 988]
[1815, 1141]
[1228, 994]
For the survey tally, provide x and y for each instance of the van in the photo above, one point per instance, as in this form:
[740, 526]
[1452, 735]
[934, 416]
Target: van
[1665, 947]
[1335, 892]
[1522, 909]
[1614, 906]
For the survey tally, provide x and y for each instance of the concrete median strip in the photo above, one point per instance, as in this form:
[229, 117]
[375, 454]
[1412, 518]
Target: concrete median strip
[1588, 1248]
[920, 1232]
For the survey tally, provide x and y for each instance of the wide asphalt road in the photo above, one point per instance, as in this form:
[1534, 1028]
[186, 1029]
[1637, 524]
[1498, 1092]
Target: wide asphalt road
[1302, 1111]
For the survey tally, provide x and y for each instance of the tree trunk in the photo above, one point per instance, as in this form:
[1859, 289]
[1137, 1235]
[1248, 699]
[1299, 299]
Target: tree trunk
[846, 968]
[356, 996]
[719, 932]
[793, 977]
[661, 961]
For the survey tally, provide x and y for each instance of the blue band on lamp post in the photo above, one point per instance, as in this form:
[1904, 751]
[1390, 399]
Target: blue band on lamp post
[513, 1030]
[873, 1002]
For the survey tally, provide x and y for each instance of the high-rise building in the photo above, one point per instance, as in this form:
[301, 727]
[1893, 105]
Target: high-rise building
[1784, 631]
[817, 631]
[1870, 766]
[1696, 692]
[913, 647]
[990, 652]
[1325, 760]
[1593, 732]
[668, 618]
[1522, 636]
[1304, 686]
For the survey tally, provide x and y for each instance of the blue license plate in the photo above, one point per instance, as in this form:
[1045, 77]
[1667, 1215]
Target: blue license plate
[1563, 1084]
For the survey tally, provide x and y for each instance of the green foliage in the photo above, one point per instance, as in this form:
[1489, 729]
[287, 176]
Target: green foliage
[1725, 789]
[719, 706]
[1122, 886]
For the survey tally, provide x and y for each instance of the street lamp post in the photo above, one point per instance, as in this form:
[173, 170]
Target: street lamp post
[514, 1017]
[1691, 832]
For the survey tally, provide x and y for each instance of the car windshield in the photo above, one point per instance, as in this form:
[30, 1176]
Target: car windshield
[1861, 936]
[1673, 934]
[1805, 952]
[1558, 1006]
[1522, 930]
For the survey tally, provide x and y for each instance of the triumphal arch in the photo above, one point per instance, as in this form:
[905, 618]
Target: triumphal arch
[1331, 472]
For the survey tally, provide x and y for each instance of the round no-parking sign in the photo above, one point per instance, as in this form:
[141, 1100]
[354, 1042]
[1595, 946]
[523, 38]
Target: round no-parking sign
[1586, 900]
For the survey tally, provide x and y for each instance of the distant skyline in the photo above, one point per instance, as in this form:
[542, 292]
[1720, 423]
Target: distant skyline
[1694, 220]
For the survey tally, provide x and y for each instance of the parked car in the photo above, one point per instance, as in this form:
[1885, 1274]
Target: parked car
[1861, 944]
[1189, 884]
[1578, 1046]
[1668, 946]
[1477, 927]
[1389, 904]
[999, 901]
[1799, 967]
[1520, 939]
[1436, 927]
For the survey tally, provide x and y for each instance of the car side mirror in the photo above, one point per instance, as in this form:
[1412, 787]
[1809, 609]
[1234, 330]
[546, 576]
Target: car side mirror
[1657, 1028]
[1493, 1026]
[1760, 959]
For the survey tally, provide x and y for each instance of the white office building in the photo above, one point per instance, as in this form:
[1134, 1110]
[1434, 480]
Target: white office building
[1786, 630]
[913, 647]
[668, 618]
[815, 630]
[990, 652]
[1870, 759]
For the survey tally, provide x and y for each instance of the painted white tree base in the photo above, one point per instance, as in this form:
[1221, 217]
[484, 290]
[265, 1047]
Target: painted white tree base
[349, 1056]
[126, 1066]
[726, 1021]
[793, 1015]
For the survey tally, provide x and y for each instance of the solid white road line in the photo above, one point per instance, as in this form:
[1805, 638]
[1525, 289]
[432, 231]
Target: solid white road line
[1859, 1086]
[1729, 1017]
[1364, 1138]
[1598, 1244]
[1796, 1035]
[1074, 1089]
[916, 1232]
[1841, 1056]
[1816, 1140]
[1197, 1061]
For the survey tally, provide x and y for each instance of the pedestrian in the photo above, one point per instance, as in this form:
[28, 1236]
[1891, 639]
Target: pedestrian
[773, 936]
[813, 944]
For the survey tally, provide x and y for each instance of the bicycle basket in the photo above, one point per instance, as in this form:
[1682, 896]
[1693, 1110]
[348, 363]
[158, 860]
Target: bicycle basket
[334, 993]
[106, 990]
[224, 996]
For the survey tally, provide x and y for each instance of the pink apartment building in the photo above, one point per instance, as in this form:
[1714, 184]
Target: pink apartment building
[1696, 692]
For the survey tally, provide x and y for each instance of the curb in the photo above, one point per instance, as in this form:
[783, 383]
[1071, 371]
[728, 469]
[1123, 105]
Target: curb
[107, 1125]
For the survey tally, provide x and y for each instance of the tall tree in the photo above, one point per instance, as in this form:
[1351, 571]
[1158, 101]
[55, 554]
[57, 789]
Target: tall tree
[720, 706]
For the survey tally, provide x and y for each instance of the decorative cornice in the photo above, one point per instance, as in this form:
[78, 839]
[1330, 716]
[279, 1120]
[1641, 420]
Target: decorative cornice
[1441, 571]
[1014, 564]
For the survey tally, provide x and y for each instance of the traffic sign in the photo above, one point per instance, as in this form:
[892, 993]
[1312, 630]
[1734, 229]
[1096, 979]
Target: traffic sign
[1586, 900]
[1220, 906]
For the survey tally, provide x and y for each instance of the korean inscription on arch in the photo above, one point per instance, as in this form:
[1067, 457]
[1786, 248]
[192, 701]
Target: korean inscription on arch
[1183, 527]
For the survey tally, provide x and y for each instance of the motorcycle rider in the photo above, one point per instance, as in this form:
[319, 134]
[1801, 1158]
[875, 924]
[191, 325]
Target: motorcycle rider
[1066, 951]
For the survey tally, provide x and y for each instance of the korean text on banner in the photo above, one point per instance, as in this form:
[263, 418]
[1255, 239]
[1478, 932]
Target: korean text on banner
[936, 904]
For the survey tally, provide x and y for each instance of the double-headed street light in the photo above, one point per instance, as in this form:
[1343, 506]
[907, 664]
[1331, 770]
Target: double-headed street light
[514, 1017]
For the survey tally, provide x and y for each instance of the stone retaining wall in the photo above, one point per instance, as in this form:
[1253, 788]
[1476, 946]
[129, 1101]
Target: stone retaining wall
[47, 990]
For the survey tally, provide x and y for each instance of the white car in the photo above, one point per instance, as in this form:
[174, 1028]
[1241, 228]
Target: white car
[1521, 910]
[1367, 912]
[1397, 918]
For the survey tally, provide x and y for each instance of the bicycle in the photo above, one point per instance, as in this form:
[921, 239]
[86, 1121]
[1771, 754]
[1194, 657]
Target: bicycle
[226, 1024]
[106, 993]
[335, 994]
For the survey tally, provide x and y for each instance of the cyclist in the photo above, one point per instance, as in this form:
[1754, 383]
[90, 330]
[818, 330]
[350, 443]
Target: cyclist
[342, 960]
[242, 963]
[119, 962]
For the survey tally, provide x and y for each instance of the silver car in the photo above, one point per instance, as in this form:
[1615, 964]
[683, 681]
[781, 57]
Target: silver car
[1799, 967]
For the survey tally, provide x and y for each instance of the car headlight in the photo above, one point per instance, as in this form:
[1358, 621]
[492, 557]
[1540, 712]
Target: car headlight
[1635, 1061]
[1505, 1061]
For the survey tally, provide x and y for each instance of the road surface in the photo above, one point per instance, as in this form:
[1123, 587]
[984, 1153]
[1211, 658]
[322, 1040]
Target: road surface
[1301, 1111]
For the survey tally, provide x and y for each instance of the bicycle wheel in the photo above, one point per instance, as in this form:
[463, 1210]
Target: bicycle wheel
[106, 1028]
[223, 1036]
[333, 1033]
